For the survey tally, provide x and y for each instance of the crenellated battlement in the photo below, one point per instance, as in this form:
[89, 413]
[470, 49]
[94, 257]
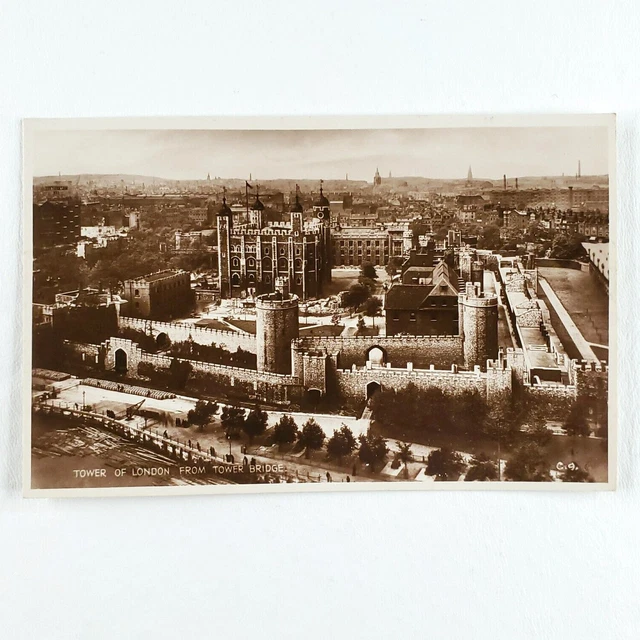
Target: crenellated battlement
[586, 366]
[183, 331]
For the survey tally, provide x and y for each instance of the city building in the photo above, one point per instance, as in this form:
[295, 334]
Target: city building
[55, 224]
[188, 241]
[354, 245]
[598, 253]
[575, 199]
[92, 250]
[163, 295]
[429, 307]
[87, 314]
[202, 217]
[58, 190]
[253, 255]
[361, 214]
[418, 267]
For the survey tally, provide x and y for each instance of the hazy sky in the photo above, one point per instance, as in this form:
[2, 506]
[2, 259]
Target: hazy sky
[329, 154]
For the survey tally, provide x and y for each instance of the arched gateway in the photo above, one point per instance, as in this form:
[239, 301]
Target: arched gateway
[377, 356]
[121, 361]
[163, 341]
[372, 388]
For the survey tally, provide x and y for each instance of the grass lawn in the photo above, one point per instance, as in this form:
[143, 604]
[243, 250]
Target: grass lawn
[322, 330]
[244, 325]
[368, 331]
[212, 323]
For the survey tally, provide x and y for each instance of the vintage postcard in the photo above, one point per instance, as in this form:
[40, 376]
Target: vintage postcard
[319, 303]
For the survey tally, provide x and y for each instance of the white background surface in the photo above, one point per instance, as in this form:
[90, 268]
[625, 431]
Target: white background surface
[370, 565]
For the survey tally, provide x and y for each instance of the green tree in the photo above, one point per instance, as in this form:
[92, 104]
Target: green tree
[179, 372]
[445, 464]
[285, 431]
[232, 419]
[372, 307]
[311, 437]
[537, 425]
[146, 369]
[481, 468]
[490, 237]
[393, 265]
[567, 246]
[202, 413]
[576, 422]
[341, 443]
[356, 295]
[369, 283]
[501, 421]
[255, 424]
[373, 450]
[405, 455]
[367, 270]
[527, 464]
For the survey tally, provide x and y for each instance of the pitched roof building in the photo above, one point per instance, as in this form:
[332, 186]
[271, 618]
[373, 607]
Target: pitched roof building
[427, 308]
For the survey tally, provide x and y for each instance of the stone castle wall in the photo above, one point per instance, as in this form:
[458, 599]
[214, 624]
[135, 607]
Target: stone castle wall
[183, 331]
[422, 351]
[588, 382]
[490, 384]
[89, 354]
[271, 385]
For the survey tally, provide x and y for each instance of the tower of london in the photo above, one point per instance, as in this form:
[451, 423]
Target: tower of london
[253, 255]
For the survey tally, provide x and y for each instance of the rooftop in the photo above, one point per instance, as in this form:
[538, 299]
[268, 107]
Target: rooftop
[360, 232]
[159, 275]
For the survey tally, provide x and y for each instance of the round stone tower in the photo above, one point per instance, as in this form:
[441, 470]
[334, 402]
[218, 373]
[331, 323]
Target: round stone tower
[276, 327]
[479, 326]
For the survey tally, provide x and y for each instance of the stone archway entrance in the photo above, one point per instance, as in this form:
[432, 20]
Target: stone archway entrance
[312, 398]
[372, 389]
[314, 394]
[163, 341]
[377, 356]
[121, 361]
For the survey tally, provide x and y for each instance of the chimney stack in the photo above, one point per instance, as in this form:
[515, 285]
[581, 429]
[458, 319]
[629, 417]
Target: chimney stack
[504, 181]
[570, 197]
[516, 183]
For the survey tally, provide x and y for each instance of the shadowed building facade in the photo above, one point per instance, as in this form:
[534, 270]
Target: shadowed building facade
[160, 296]
[253, 255]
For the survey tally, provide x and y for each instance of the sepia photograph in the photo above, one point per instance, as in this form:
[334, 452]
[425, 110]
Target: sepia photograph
[323, 303]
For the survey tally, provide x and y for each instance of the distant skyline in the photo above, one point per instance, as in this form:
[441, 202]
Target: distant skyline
[328, 154]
